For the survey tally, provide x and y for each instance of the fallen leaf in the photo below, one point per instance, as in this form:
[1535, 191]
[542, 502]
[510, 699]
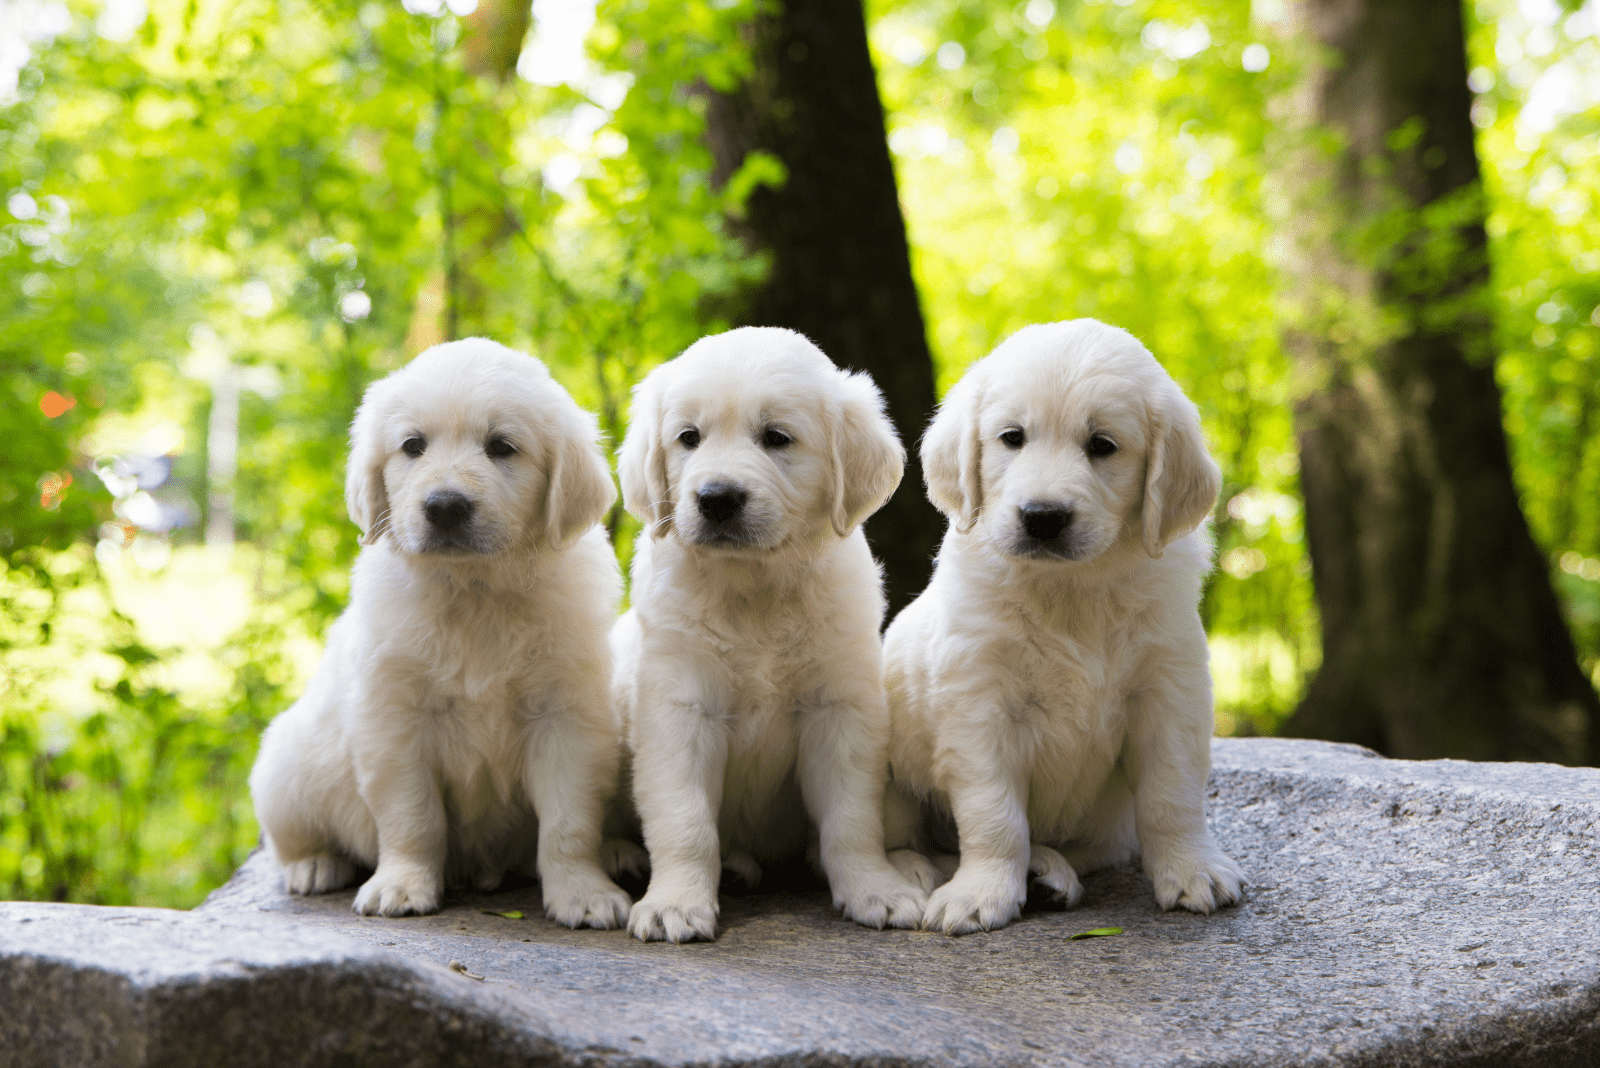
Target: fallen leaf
[1098, 932]
[508, 915]
[457, 966]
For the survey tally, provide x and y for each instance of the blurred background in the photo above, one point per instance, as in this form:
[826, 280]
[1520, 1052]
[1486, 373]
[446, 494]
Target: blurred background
[220, 220]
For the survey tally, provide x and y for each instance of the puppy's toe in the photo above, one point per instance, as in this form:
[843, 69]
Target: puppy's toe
[618, 857]
[318, 874]
[402, 892]
[488, 878]
[1200, 884]
[662, 920]
[917, 869]
[744, 866]
[962, 906]
[586, 901]
[1054, 875]
[882, 899]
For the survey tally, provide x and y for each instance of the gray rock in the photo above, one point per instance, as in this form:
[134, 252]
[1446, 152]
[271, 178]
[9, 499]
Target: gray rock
[1398, 913]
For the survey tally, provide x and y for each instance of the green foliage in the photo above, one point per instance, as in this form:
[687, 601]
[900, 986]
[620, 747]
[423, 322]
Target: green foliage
[1107, 160]
[295, 196]
[291, 197]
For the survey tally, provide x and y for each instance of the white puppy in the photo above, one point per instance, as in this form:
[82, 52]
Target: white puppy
[750, 668]
[461, 711]
[1049, 689]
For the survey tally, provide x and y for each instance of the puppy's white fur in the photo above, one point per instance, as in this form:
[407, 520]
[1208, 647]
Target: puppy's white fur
[459, 723]
[1053, 696]
[750, 666]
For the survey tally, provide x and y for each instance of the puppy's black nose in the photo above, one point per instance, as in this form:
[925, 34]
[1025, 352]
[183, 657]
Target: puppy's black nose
[1045, 522]
[720, 501]
[447, 509]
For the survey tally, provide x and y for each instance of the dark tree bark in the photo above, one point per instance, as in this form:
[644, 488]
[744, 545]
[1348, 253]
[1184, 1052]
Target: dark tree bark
[1441, 633]
[841, 270]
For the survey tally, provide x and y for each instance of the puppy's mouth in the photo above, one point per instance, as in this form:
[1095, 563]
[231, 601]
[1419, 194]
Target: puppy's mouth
[723, 516]
[1028, 548]
[449, 524]
[728, 536]
[457, 543]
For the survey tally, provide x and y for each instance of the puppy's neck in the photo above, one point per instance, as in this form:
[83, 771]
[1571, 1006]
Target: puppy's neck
[513, 574]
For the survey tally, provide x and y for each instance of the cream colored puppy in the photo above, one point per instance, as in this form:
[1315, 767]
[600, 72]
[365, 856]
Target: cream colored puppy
[460, 715]
[750, 669]
[1049, 689]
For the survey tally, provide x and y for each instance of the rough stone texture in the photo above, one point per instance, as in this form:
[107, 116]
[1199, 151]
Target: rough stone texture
[1438, 913]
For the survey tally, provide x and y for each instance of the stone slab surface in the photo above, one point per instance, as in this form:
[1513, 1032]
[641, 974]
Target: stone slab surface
[1398, 913]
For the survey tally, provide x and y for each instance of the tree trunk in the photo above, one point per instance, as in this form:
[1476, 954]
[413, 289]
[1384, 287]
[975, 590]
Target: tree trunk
[1442, 635]
[841, 270]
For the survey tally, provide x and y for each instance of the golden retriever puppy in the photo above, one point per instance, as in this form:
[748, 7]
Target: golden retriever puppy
[1050, 689]
[750, 668]
[460, 723]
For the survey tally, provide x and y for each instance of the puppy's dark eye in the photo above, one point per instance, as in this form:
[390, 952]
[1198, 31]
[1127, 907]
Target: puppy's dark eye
[690, 438]
[1014, 437]
[1100, 445]
[414, 447]
[774, 438]
[499, 448]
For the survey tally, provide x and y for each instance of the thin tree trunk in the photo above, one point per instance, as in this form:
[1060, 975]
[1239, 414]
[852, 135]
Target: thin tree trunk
[1442, 635]
[841, 269]
[453, 299]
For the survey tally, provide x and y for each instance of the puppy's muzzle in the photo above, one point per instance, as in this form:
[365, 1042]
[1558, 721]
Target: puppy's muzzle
[447, 511]
[721, 502]
[1045, 521]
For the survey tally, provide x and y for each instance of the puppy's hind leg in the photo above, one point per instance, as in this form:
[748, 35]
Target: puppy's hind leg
[1054, 875]
[288, 784]
[902, 837]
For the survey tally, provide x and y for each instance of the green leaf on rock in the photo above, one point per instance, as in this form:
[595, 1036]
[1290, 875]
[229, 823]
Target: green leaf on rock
[508, 915]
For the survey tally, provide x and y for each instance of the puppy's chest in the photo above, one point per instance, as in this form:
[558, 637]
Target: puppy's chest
[478, 656]
[1072, 682]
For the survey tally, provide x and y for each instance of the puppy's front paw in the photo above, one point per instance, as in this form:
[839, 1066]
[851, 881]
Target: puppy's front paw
[917, 869]
[971, 902]
[882, 898]
[585, 899]
[1052, 873]
[318, 874]
[1199, 883]
[398, 891]
[618, 857]
[657, 918]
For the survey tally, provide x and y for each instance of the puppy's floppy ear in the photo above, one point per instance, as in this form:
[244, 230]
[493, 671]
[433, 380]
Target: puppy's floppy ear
[642, 462]
[868, 459]
[579, 487]
[952, 454]
[1181, 479]
[365, 496]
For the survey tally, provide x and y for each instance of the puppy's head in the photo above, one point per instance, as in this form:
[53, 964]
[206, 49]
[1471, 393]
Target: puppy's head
[752, 439]
[473, 450]
[1065, 440]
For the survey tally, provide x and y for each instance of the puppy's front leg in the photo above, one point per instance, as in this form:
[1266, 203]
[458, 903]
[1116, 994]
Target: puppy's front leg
[988, 791]
[842, 767]
[396, 780]
[571, 762]
[1167, 755]
[680, 756]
